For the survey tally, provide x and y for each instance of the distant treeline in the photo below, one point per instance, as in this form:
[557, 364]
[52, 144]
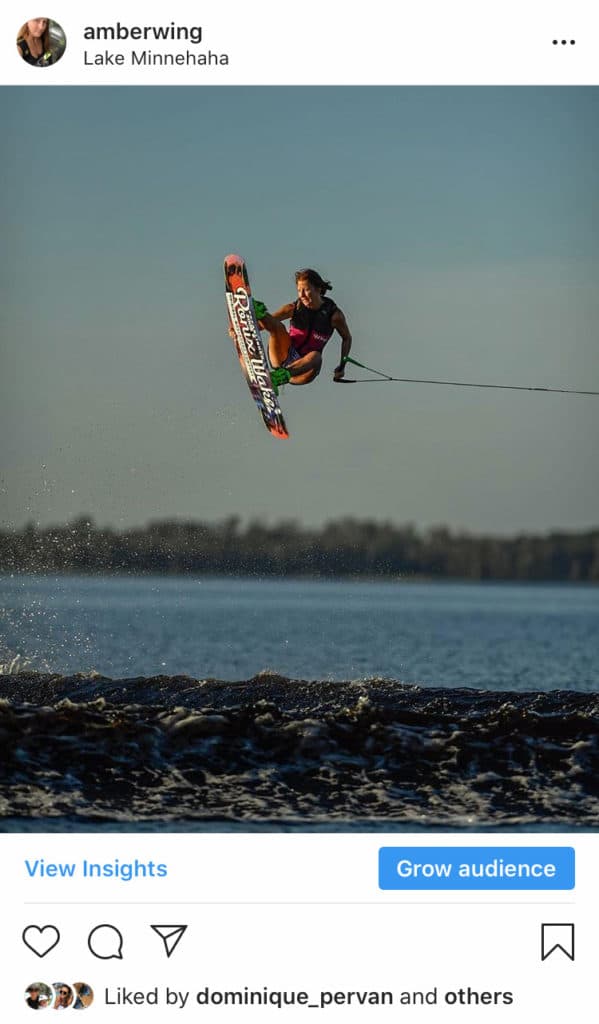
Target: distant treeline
[346, 547]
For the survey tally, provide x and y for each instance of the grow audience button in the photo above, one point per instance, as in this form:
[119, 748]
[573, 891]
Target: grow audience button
[476, 867]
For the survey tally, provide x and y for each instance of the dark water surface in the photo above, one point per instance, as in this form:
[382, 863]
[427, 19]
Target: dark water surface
[228, 704]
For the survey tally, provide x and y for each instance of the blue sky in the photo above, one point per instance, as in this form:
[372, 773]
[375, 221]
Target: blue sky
[460, 228]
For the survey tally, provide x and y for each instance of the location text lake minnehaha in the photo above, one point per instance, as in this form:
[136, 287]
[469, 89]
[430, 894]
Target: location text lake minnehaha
[141, 57]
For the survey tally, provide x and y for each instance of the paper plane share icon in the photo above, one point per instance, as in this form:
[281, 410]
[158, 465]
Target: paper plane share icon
[170, 935]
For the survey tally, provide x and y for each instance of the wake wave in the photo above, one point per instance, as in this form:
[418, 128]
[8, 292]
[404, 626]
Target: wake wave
[272, 749]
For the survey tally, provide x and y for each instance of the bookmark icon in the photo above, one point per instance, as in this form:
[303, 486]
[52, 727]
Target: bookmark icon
[557, 938]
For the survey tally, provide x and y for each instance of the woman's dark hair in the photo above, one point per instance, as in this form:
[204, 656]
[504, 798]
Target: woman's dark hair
[24, 34]
[314, 278]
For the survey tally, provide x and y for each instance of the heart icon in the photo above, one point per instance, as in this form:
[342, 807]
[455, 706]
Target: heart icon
[41, 940]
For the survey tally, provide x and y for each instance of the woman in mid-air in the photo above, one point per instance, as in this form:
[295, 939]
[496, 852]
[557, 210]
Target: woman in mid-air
[296, 355]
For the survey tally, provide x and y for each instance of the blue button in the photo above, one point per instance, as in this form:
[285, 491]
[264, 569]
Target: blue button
[476, 867]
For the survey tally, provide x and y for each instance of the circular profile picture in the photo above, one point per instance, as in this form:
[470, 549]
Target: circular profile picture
[38, 995]
[41, 42]
[84, 995]
[64, 995]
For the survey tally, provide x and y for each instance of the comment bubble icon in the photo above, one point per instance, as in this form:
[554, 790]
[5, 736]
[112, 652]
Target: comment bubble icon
[106, 942]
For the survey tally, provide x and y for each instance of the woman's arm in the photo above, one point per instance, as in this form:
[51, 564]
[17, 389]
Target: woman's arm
[285, 312]
[340, 324]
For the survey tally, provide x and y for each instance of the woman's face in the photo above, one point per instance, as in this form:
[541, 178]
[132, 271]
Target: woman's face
[37, 27]
[63, 996]
[308, 294]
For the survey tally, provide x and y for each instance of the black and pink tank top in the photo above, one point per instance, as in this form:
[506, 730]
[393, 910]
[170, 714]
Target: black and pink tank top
[310, 329]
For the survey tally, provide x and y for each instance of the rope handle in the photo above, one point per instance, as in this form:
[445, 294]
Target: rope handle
[454, 383]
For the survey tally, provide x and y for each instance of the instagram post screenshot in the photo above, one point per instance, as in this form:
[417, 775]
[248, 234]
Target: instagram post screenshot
[299, 532]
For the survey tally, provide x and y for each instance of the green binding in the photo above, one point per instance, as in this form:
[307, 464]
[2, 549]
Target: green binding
[279, 376]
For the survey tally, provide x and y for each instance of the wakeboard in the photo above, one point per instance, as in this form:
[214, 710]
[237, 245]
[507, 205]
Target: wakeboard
[252, 357]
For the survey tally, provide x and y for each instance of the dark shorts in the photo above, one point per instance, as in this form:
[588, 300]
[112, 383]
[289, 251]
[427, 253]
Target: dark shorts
[291, 357]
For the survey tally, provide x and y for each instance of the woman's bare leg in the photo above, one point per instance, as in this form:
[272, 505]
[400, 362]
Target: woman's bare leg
[305, 369]
[279, 341]
[302, 370]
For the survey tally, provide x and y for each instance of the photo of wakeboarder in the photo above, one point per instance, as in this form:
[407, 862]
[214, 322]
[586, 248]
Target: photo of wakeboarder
[386, 619]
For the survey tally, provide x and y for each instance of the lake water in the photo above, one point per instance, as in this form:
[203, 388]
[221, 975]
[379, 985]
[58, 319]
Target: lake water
[219, 703]
[494, 636]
